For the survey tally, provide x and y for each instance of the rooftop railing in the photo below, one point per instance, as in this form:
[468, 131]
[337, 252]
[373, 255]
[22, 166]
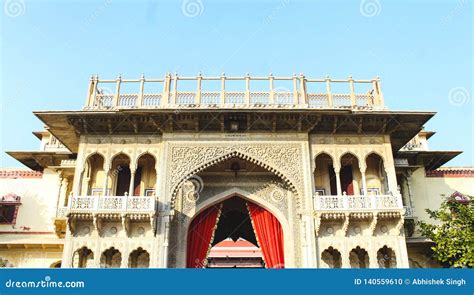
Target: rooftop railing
[273, 92]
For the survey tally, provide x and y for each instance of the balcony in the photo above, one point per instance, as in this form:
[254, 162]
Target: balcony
[360, 203]
[112, 204]
[278, 92]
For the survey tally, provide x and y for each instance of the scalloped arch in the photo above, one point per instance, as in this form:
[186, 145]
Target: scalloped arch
[349, 152]
[227, 156]
[330, 154]
[374, 152]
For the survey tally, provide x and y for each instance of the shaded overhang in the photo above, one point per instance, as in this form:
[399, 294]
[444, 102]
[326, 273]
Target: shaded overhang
[431, 160]
[67, 126]
[38, 160]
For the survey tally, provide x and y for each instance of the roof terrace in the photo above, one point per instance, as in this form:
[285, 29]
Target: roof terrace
[270, 92]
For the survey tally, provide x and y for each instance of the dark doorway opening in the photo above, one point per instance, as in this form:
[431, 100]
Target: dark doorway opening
[346, 180]
[123, 180]
[235, 232]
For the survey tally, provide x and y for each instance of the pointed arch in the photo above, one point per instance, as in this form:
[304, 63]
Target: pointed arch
[351, 153]
[237, 192]
[386, 257]
[111, 258]
[359, 258]
[324, 174]
[331, 155]
[219, 199]
[139, 258]
[145, 174]
[234, 154]
[375, 172]
[332, 258]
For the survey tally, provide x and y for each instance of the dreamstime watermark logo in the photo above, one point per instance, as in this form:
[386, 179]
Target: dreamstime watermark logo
[459, 96]
[454, 12]
[275, 11]
[196, 185]
[192, 8]
[96, 13]
[44, 283]
[283, 96]
[14, 8]
[370, 8]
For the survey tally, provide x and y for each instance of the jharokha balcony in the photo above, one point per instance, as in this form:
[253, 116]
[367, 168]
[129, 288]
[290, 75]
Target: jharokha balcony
[112, 204]
[174, 91]
[357, 203]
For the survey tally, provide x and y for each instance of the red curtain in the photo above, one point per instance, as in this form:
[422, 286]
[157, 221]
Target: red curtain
[200, 236]
[269, 235]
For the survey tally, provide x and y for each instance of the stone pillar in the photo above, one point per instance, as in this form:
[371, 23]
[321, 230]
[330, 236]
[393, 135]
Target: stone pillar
[132, 180]
[373, 263]
[364, 181]
[345, 262]
[391, 180]
[63, 194]
[338, 181]
[106, 180]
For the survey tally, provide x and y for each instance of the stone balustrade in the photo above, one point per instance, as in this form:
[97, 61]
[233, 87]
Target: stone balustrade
[112, 204]
[301, 93]
[357, 203]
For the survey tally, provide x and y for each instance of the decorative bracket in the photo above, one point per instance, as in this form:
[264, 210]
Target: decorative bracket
[373, 224]
[153, 223]
[345, 225]
[317, 223]
[72, 222]
[97, 220]
[126, 224]
[400, 223]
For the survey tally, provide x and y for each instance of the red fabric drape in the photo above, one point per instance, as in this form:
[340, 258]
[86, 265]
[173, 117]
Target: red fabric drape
[269, 235]
[200, 235]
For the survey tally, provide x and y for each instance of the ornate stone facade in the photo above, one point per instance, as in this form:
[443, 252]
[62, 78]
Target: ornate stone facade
[133, 170]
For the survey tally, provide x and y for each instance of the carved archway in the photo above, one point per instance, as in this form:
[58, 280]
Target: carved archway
[283, 160]
[231, 194]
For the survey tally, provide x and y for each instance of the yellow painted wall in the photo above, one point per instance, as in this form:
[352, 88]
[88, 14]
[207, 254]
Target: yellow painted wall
[429, 192]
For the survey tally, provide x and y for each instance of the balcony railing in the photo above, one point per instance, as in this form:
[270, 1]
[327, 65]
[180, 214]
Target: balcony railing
[357, 203]
[167, 93]
[112, 204]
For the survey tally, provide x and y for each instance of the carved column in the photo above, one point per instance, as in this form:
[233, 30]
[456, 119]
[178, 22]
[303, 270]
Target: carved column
[132, 181]
[106, 180]
[63, 196]
[345, 262]
[373, 262]
[338, 181]
[364, 180]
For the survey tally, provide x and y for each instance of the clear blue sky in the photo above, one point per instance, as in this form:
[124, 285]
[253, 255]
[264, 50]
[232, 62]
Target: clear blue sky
[421, 50]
